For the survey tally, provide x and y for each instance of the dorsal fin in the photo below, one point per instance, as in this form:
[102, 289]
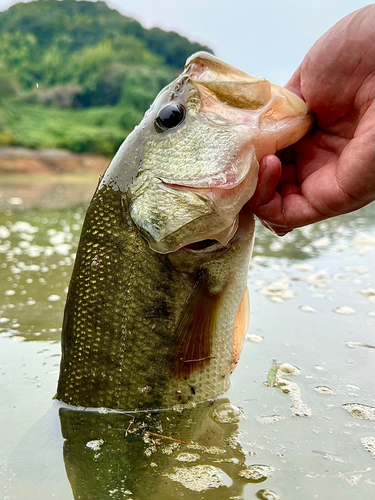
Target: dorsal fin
[193, 337]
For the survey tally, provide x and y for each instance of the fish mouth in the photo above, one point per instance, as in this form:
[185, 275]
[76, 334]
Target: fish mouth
[211, 244]
[193, 255]
[204, 245]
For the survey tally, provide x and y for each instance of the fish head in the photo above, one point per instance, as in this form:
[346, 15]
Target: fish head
[191, 165]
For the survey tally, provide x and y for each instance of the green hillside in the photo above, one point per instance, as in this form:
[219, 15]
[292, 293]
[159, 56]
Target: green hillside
[79, 75]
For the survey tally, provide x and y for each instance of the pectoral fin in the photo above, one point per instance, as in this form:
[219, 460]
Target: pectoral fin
[192, 350]
[240, 328]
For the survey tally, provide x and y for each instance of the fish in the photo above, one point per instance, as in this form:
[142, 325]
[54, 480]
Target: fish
[158, 306]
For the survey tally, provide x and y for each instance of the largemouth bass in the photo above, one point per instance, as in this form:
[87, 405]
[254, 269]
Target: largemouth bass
[158, 308]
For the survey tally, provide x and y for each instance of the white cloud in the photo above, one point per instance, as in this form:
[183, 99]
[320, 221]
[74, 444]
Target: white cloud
[268, 38]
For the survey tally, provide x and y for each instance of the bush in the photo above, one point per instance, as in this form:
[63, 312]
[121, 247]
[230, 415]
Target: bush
[62, 96]
[7, 139]
[86, 140]
[8, 83]
[94, 130]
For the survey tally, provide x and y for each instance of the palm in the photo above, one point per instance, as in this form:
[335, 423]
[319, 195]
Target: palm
[330, 171]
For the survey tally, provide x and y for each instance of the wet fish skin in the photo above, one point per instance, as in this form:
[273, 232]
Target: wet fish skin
[123, 308]
[153, 317]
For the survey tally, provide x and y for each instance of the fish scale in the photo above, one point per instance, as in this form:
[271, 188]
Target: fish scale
[157, 308]
[119, 329]
[200, 162]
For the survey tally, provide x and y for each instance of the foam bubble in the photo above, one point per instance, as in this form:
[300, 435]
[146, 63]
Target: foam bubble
[253, 337]
[267, 495]
[346, 310]
[288, 369]
[299, 408]
[187, 457]
[95, 444]
[364, 241]
[272, 419]
[257, 473]
[322, 389]
[369, 444]
[278, 291]
[15, 201]
[226, 413]
[307, 309]
[53, 298]
[360, 411]
[200, 477]
[4, 232]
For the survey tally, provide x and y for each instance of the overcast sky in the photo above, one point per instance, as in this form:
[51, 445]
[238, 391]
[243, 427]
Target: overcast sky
[264, 37]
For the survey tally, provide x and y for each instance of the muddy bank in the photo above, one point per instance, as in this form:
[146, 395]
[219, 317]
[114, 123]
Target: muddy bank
[23, 161]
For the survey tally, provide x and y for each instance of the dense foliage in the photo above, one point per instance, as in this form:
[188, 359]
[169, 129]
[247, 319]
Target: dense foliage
[102, 67]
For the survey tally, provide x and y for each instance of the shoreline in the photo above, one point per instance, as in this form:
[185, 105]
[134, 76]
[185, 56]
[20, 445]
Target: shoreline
[54, 163]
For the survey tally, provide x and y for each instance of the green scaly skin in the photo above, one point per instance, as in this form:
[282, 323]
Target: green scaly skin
[120, 315]
[123, 308]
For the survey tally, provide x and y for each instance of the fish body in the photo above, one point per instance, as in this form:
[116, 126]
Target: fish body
[157, 307]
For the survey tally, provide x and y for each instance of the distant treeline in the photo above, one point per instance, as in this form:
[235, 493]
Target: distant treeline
[79, 75]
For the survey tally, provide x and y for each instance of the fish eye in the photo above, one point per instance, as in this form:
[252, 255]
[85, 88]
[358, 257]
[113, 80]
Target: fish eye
[169, 116]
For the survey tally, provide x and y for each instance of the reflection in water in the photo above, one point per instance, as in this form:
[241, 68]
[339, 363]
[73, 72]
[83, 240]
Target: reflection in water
[170, 454]
[191, 453]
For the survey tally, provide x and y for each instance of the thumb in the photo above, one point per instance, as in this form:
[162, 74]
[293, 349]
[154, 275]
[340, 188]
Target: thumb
[266, 202]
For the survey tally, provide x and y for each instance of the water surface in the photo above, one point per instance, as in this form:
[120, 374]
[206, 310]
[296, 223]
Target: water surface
[308, 433]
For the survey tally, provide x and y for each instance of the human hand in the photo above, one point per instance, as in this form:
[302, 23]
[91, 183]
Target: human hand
[330, 171]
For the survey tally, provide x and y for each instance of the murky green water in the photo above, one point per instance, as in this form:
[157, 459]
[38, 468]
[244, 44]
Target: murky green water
[308, 434]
